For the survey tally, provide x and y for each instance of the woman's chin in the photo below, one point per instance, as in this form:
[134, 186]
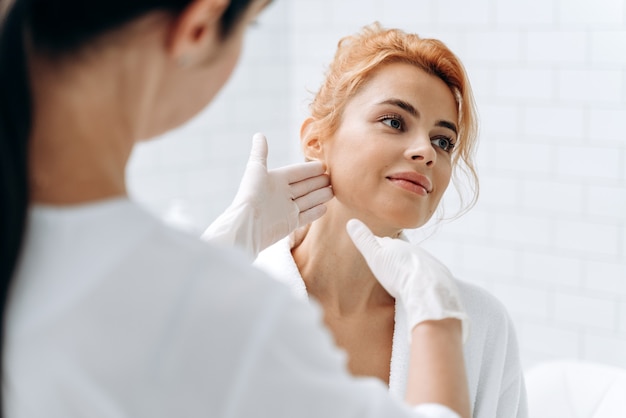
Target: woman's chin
[394, 230]
[390, 224]
[404, 223]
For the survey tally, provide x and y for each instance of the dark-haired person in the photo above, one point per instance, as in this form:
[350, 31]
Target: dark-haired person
[109, 313]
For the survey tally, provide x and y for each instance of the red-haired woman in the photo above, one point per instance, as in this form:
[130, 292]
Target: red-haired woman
[393, 121]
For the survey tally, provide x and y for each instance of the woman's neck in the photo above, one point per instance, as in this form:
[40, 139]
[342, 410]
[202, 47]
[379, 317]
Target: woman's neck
[86, 118]
[75, 156]
[334, 271]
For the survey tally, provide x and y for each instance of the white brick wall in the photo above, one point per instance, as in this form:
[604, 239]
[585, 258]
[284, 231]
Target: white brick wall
[559, 48]
[498, 47]
[547, 197]
[606, 46]
[496, 262]
[523, 300]
[524, 83]
[592, 312]
[622, 317]
[588, 164]
[606, 124]
[454, 12]
[548, 236]
[605, 278]
[523, 157]
[524, 13]
[552, 123]
[587, 238]
[589, 86]
[564, 272]
[604, 348]
[587, 13]
[550, 339]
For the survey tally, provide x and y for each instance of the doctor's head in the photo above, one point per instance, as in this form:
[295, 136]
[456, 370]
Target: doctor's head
[393, 121]
[147, 65]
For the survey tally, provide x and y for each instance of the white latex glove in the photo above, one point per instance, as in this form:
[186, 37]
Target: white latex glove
[425, 287]
[269, 205]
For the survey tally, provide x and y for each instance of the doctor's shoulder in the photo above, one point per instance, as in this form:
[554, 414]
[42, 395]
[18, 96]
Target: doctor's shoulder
[225, 274]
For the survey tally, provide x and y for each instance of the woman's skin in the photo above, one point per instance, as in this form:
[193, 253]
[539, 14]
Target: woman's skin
[400, 121]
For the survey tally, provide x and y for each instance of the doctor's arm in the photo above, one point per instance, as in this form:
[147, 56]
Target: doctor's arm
[293, 369]
[437, 369]
[270, 204]
[438, 324]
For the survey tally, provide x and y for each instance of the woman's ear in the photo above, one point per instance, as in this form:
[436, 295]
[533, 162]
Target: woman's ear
[195, 29]
[312, 146]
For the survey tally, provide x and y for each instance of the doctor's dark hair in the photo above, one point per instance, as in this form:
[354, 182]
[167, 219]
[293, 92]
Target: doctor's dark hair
[57, 28]
[359, 56]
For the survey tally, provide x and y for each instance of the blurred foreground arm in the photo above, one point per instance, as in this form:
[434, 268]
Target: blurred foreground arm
[437, 321]
[270, 204]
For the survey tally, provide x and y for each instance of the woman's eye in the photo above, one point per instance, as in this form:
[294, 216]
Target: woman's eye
[392, 123]
[443, 142]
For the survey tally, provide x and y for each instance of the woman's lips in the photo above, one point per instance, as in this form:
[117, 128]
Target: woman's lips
[412, 181]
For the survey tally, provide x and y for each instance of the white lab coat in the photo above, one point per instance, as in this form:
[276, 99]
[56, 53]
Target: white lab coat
[114, 315]
[494, 372]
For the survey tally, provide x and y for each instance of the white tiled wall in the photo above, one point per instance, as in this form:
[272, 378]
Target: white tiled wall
[548, 235]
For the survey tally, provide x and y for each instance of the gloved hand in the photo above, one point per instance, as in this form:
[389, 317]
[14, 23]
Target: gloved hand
[270, 204]
[425, 287]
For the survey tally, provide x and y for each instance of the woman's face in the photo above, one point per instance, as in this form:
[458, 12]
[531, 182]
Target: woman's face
[390, 159]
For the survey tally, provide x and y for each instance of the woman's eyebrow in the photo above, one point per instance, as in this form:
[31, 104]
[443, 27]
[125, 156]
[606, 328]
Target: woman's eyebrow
[401, 104]
[446, 124]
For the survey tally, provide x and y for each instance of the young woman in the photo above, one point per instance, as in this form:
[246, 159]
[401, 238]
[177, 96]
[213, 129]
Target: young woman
[392, 121]
[106, 311]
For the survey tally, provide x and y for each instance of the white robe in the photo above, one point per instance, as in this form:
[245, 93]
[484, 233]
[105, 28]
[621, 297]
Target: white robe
[494, 372]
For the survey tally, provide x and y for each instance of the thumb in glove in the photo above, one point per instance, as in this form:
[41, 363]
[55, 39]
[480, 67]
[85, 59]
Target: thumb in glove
[270, 204]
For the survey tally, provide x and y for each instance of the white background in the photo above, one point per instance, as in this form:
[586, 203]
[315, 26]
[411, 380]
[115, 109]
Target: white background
[548, 236]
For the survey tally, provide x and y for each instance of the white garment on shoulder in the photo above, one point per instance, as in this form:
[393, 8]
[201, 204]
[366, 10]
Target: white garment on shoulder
[112, 314]
[494, 372]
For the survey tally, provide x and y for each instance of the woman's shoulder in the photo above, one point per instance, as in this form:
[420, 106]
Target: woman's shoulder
[479, 299]
[493, 363]
[488, 315]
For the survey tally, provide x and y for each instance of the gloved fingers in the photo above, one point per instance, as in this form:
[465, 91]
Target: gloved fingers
[304, 187]
[314, 198]
[309, 215]
[301, 171]
[363, 239]
[258, 153]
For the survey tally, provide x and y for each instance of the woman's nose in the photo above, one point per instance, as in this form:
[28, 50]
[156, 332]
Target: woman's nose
[421, 150]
